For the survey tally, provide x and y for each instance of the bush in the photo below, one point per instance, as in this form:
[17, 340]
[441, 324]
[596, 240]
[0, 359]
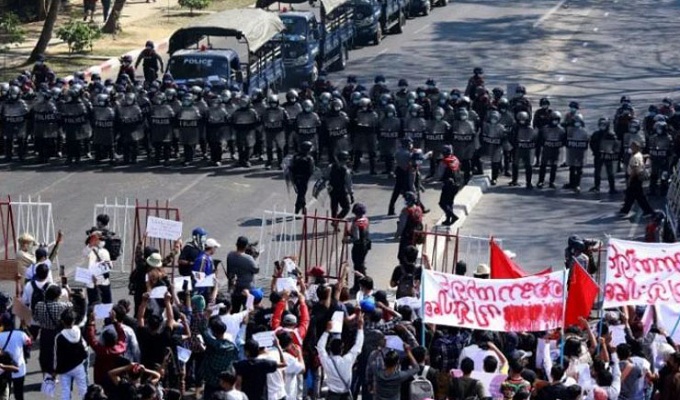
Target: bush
[78, 35]
[10, 29]
[194, 4]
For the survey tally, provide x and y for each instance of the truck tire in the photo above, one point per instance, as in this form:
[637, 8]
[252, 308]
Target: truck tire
[341, 62]
[443, 3]
[426, 12]
[399, 27]
[378, 35]
[314, 75]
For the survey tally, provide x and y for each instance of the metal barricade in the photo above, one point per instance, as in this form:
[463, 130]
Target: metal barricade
[152, 209]
[673, 199]
[121, 216]
[8, 234]
[35, 217]
[280, 237]
[323, 244]
[445, 249]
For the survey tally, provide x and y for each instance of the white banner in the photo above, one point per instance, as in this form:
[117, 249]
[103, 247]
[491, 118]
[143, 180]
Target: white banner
[163, 228]
[534, 303]
[639, 273]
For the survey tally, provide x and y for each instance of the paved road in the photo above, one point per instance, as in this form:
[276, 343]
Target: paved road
[593, 52]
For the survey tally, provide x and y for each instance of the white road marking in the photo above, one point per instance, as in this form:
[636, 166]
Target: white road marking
[606, 14]
[53, 184]
[634, 227]
[549, 13]
[585, 44]
[596, 29]
[575, 59]
[188, 187]
[422, 28]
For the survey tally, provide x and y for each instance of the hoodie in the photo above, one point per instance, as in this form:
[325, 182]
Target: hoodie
[106, 356]
[69, 350]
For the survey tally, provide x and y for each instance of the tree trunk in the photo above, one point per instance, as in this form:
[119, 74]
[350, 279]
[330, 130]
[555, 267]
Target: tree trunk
[42, 9]
[112, 21]
[47, 29]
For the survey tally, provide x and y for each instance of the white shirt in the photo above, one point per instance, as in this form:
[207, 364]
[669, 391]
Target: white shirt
[233, 323]
[28, 293]
[30, 271]
[291, 374]
[636, 164]
[15, 348]
[332, 365]
[276, 386]
[477, 355]
[90, 261]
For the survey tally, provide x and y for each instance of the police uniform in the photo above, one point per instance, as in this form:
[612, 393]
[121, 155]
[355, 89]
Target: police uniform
[245, 122]
[524, 143]
[389, 131]
[104, 132]
[552, 140]
[14, 115]
[401, 174]
[465, 141]
[293, 109]
[76, 126]
[340, 189]
[217, 122]
[162, 122]
[131, 128]
[189, 122]
[307, 125]
[659, 148]
[577, 144]
[438, 133]
[275, 122]
[415, 128]
[494, 140]
[301, 170]
[541, 119]
[46, 121]
[609, 154]
[336, 125]
[365, 137]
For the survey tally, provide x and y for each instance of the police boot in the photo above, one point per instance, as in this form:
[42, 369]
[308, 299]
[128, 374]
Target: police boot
[357, 161]
[570, 184]
[515, 175]
[270, 158]
[541, 176]
[527, 175]
[232, 150]
[495, 169]
[8, 150]
[371, 162]
[553, 173]
[612, 184]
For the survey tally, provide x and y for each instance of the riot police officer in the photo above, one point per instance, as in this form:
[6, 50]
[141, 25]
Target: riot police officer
[46, 121]
[349, 87]
[76, 125]
[336, 125]
[608, 149]
[401, 172]
[494, 138]
[245, 122]
[659, 145]
[162, 120]
[524, 142]
[217, 124]
[508, 121]
[300, 171]
[322, 108]
[433, 94]
[389, 131]
[542, 118]
[379, 88]
[465, 141]
[275, 122]
[202, 106]
[307, 126]
[340, 188]
[437, 135]
[14, 114]
[131, 127]
[475, 81]
[552, 137]
[415, 125]
[293, 109]
[402, 99]
[259, 105]
[520, 103]
[449, 174]
[577, 144]
[365, 134]
[189, 122]
[104, 120]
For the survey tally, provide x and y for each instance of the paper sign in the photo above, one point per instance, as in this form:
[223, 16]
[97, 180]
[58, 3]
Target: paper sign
[99, 269]
[215, 309]
[491, 381]
[288, 284]
[265, 339]
[102, 311]
[178, 282]
[158, 292]
[413, 302]
[667, 315]
[337, 320]
[183, 355]
[250, 302]
[394, 342]
[163, 228]
[639, 273]
[83, 275]
[20, 310]
[198, 275]
[208, 281]
[530, 304]
[618, 334]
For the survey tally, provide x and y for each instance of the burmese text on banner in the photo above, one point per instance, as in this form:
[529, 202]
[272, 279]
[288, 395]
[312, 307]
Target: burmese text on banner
[533, 303]
[639, 273]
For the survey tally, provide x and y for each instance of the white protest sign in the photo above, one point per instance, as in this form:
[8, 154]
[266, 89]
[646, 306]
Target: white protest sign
[639, 273]
[183, 355]
[158, 292]
[208, 281]
[178, 282]
[667, 316]
[490, 381]
[83, 275]
[337, 320]
[250, 302]
[101, 268]
[394, 342]
[265, 339]
[530, 304]
[618, 334]
[163, 228]
[102, 311]
[289, 284]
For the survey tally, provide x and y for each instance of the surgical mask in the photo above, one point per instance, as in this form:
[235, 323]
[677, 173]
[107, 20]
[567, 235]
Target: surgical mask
[651, 114]
[187, 103]
[633, 129]
[573, 109]
[438, 117]
[421, 94]
[308, 109]
[414, 114]
[390, 114]
[403, 88]
[578, 124]
[431, 87]
[324, 101]
[545, 106]
[659, 131]
[411, 101]
[101, 244]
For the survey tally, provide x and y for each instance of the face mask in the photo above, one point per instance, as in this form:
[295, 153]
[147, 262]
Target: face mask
[421, 94]
[438, 117]
[633, 130]
[308, 109]
[390, 114]
[411, 101]
[578, 124]
[186, 103]
[573, 109]
[101, 244]
[431, 87]
[414, 114]
[403, 88]
[545, 106]
[324, 101]
[602, 127]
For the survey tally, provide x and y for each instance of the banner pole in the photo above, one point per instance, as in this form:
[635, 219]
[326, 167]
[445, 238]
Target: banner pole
[564, 312]
[675, 327]
[600, 315]
[422, 306]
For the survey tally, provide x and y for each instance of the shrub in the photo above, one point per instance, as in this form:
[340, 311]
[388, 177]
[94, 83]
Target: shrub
[78, 35]
[10, 28]
[194, 4]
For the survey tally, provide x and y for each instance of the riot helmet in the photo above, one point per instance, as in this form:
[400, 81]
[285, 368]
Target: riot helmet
[544, 103]
[307, 106]
[555, 118]
[494, 117]
[159, 99]
[603, 123]
[130, 99]
[390, 111]
[102, 100]
[244, 102]
[325, 98]
[336, 105]
[523, 118]
[634, 126]
[292, 96]
[306, 147]
[273, 100]
[438, 113]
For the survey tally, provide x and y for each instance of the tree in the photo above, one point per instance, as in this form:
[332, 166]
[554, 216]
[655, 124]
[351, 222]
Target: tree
[47, 29]
[41, 9]
[194, 4]
[111, 25]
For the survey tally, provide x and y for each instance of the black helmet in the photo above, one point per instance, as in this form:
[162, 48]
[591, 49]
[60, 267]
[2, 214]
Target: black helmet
[402, 83]
[342, 156]
[625, 99]
[498, 92]
[447, 150]
[292, 95]
[149, 43]
[544, 102]
[478, 71]
[574, 104]
[351, 79]
[520, 90]
[306, 147]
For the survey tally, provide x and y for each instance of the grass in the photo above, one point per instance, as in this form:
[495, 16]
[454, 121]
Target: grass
[157, 27]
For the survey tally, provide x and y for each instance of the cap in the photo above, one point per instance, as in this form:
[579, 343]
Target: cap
[154, 260]
[242, 241]
[198, 303]
[212, 243]
[290, 319]
[482, 269]
[317, 272]
[258, 294]
[26, 238]
[367, 305]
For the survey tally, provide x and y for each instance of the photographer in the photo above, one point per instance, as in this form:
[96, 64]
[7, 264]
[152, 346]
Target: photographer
[98, 261]
[241, 270]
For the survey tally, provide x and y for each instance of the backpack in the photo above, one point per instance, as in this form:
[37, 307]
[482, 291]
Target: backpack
[113, 245]
[38, 294]
[415, 220]
[420, 387]
[405, 287]
[470, 392]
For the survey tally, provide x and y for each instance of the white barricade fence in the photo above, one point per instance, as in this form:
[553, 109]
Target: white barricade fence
[121, 214]
[32, 215]
[673, 199]
[280, 236]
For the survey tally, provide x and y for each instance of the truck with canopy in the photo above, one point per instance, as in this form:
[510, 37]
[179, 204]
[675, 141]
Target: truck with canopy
[212, 50]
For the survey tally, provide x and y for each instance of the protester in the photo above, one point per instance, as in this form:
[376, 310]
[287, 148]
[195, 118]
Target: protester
[70, 353]
[47, 313]
[13, 342]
